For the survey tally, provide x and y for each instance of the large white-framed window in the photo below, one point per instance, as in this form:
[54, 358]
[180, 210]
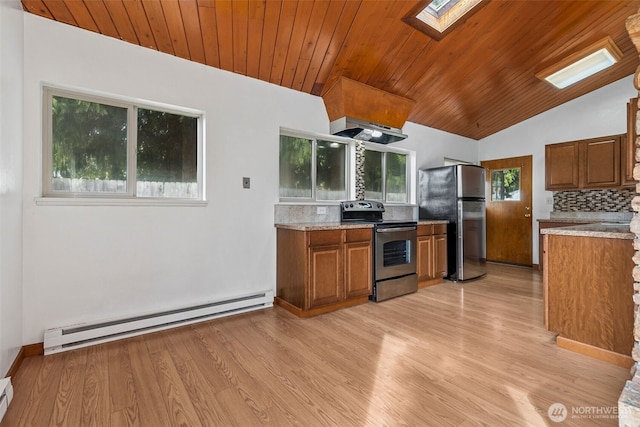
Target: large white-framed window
[98, 146]
[314, 167]
[387, 174]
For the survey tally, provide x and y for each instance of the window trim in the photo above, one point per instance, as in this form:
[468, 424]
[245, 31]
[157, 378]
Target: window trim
[314, 137]
[132, 105]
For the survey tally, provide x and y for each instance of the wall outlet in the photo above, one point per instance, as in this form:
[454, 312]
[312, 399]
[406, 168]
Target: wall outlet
[246, 182]
[322, 210]
[550, 201]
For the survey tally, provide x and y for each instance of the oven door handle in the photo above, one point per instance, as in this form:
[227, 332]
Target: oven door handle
[395, 229]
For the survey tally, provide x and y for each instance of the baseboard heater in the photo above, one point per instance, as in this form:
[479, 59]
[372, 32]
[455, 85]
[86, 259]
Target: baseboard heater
[6, 394]
[57, 340]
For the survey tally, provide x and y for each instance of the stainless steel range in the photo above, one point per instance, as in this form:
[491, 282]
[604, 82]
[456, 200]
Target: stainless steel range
[394, 254]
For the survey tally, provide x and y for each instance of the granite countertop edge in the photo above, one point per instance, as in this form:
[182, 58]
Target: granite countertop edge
[607, 231]
[340, 226]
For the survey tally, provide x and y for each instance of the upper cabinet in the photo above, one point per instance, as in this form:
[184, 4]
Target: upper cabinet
[628, 144]
[585, 164]
[561, 166]
[605, 162]
[600, 162]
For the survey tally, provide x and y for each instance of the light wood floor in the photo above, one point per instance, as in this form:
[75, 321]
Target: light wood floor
[449, 355]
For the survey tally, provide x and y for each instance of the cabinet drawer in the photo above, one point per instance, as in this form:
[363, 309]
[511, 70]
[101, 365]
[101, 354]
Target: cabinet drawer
[425, 230]
[359, 235]
[328, 237]
[439, 228]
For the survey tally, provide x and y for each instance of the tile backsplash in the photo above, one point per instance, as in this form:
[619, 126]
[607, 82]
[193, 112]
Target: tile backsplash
[287, 213]
[609, 200]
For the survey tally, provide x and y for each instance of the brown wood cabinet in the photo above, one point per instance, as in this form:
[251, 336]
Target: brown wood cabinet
[628, 144]
[440, 244]
[542, 224]
[431, 254]
[588, 290]
[561, 166]
[358, 268]
[323, 270]
[585, 164]
[600, 162]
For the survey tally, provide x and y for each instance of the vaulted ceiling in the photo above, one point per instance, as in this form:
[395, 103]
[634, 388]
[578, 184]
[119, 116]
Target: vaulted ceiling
[476, 81]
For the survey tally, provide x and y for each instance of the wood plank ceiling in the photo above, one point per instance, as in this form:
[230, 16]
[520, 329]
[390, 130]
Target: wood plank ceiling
[476, 81]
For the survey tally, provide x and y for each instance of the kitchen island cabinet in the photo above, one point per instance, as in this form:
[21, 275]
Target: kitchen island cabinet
[553, 223]
[323, 268]
[588, 289]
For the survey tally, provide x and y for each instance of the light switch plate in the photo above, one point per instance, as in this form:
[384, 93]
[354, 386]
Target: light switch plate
[321, 210]
[246, 182]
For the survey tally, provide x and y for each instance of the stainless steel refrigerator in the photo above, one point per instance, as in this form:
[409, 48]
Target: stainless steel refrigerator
[457, 194]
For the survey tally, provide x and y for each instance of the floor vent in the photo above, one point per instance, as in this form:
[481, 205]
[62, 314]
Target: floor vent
[6, 394]
[66, 338]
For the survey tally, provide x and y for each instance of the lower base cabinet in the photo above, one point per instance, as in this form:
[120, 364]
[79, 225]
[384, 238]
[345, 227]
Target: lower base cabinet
[431, 254]
[323, 270]
[588, 291]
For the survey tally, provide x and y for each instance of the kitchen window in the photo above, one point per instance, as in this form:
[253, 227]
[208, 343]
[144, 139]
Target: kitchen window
[100, 147]
[313, 168]
[385, 176]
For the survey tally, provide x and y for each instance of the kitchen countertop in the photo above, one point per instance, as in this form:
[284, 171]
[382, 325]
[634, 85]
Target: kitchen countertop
[571, 220]
[316, 226]
[340, 226]
[608, 230]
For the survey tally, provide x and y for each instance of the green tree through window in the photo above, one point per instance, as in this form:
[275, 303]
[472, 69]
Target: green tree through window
[505, 184]
[89, 140]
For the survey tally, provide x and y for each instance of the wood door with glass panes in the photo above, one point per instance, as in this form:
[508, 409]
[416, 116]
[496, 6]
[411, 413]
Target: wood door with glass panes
[509, 210]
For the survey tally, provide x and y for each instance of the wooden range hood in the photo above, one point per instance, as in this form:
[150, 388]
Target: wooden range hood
[360, 111]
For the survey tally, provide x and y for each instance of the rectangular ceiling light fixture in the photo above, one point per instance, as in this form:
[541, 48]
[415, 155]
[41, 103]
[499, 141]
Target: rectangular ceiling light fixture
[582, 64]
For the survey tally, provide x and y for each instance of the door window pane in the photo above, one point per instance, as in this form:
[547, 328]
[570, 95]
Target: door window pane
[295, 167]
[373, 175]
[505, 184]
[167, 158]
[331, 162]
[396, 177]
[89, 147]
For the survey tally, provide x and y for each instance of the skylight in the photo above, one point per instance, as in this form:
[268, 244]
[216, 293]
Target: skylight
[437, 5]
[439, 17]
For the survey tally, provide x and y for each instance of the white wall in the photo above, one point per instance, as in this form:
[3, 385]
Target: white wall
[10, 183]
[433, 145]
[91, 263]
[599, 113]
